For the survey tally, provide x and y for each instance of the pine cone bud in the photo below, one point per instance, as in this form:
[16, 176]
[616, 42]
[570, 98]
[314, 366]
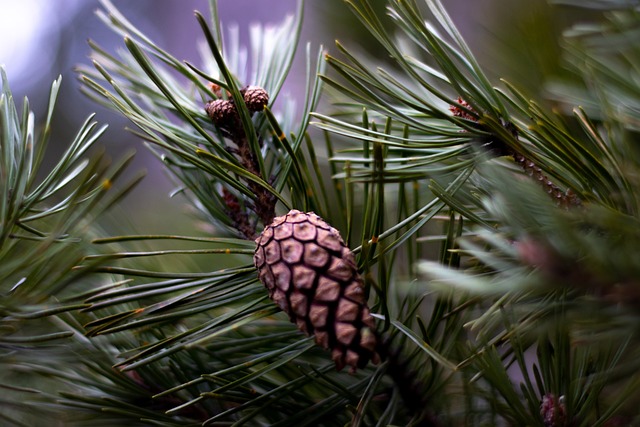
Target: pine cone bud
[553, 411]
[255, 98]
[312, 276]
[459, 112]
[222, 112]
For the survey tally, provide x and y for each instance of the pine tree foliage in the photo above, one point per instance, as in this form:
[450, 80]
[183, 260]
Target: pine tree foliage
[549, 269]
[45, 216]
[227, 309]
[226, 353]
[496, 237]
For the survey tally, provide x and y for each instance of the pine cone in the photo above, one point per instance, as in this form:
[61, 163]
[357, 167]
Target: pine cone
[222, 113]
[553, 411]
[312, 276]
[255, 98]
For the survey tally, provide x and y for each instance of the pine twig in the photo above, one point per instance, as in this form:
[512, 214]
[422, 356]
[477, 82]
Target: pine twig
[224, 114]
[563, 199]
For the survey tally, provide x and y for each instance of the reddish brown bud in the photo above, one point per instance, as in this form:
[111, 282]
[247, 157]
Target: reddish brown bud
[255, 97]
[553, 411]
[462, 112]
[222, 112]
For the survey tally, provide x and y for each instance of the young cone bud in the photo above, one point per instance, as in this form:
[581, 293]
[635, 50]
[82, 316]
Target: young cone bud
[553, 411]
[222, 112]
[255, 98]
[312, 276]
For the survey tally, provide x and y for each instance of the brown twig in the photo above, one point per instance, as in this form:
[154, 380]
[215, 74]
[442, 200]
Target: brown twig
[564, 199]
[224, 114]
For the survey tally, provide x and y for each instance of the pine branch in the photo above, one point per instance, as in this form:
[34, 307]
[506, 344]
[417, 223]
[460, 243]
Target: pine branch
[524, 250]
[45, 218]
[445, 234]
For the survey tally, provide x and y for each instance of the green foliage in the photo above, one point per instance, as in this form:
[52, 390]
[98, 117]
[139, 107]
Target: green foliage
[541, 271]
[225, 351]
[497, 239]
[45, 217]
[203, 324]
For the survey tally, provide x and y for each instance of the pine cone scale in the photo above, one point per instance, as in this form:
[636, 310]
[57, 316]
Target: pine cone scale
[318, 315]
[327, 290]
[292, 251]
[315, 256]
[348, 311]
[303, 277]
[282, 232]
[304, 232]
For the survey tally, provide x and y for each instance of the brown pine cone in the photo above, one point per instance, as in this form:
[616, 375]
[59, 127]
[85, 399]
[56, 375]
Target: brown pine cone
[222, 113]
[255, 98]
[312, 276]
[553, 411]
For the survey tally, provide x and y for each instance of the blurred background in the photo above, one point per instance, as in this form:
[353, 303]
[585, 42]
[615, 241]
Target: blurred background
[42, 39]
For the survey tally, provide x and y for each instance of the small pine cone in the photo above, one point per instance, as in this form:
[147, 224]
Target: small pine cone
[312, 276]
[222, 113]
[255, 98]
[553, 411]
